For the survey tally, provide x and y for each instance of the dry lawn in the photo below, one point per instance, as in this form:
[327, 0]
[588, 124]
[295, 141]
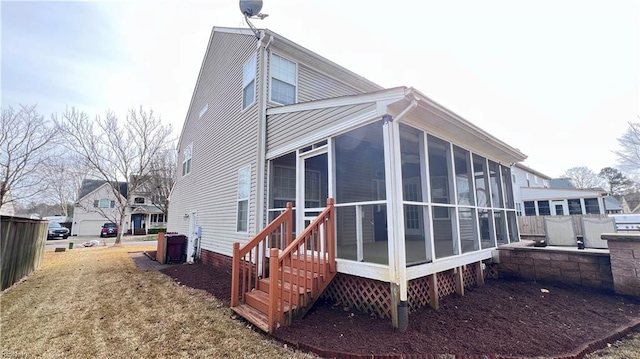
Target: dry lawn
[94, 302]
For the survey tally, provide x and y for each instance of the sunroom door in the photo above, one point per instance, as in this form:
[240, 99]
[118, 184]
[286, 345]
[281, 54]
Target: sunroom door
[313, 193]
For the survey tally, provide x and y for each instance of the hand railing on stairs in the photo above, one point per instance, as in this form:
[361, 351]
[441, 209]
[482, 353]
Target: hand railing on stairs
[246, 271]
[306, 264]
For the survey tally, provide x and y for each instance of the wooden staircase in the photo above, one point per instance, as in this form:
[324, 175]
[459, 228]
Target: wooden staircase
[276, 278]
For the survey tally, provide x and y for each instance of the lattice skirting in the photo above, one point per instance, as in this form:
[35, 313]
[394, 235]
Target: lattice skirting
[491, 271]
[367, 295]
[374, 297]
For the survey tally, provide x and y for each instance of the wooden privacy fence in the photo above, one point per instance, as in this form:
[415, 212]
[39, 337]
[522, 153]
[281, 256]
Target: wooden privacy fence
[22, 241]
[535, 224]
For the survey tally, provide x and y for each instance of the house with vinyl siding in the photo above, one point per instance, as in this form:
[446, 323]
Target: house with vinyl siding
[419, 197]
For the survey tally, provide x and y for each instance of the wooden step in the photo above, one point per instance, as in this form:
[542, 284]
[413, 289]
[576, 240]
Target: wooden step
[253, 315]
[260, 301]
[313, 278]
[300, 297]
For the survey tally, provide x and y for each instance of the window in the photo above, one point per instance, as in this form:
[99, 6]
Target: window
[574, 206]
[244, 188]
[519, 209]
[138, 200]
[249, 82]
[591, 206]
[203, 110]
[186, 161]
[283, 80]
[529, 208]
[157, 218]
[543, 208]
[104, 203]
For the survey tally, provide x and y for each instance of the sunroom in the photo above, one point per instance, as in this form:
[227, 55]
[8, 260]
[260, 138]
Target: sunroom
[417, 191]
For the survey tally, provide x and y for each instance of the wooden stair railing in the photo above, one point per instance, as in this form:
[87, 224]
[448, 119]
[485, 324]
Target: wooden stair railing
[244, 267]
[298, 273]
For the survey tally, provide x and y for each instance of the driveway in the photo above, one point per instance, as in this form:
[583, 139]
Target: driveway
[109, 241]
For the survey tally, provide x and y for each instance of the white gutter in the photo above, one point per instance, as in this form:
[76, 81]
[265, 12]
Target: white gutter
[262, 132]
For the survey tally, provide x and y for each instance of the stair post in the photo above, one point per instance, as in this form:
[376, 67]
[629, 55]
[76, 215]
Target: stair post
[330, 236]
[235, 275]
[274, 273]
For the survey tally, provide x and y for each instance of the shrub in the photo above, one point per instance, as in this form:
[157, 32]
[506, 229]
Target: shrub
[156, 230]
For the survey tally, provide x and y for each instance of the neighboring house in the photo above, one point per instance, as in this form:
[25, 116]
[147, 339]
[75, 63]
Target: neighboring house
[96, 205]
[418, 189]
[8, 209]
[539, 195]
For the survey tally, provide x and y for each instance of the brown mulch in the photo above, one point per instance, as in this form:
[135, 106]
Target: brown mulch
[503, 317]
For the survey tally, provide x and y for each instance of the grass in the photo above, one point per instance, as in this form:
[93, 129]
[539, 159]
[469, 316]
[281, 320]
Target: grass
[628, 348]
[94, 302]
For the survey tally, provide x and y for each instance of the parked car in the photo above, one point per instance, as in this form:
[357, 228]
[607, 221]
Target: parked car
[109, 229]
[56, 230]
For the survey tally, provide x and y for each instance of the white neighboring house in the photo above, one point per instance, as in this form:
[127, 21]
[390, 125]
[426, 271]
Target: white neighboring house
[96, 205]
[537, 194]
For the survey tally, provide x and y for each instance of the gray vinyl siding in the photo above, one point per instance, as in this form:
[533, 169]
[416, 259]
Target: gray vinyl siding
[224, 140]
[312, 84]
[287, 127]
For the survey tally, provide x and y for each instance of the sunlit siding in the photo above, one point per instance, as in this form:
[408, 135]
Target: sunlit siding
[313, 85]
[288, 127]
[224, 140]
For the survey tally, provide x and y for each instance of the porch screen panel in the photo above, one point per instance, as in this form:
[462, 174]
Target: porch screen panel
[416, 221]
[496, 185]
[481, 181]
[445, 231]
[361, 215]
[487, 235]
[507, 187]
[468, 229]
[502, 237]
[513, 227]
[464, 182]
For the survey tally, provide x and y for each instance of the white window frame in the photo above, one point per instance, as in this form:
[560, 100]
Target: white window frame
[295, 100]
[252, 62]
[240, 198]
[203, 110]
[109, 203]
[187, 159]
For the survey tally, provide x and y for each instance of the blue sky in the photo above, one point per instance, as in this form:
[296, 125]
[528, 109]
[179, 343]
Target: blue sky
[557, 79]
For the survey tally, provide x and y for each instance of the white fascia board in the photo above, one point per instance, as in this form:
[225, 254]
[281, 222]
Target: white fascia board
[389, 95]
[363, 269]
[440, 265]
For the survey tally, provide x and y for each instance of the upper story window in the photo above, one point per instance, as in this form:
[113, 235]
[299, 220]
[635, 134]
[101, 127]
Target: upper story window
[283, 80]
[186, 161]
[249, 82]
[138, 200]
[203, 110]
[104, 203]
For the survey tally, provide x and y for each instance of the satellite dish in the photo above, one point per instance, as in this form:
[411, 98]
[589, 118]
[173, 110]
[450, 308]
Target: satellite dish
[250, 7]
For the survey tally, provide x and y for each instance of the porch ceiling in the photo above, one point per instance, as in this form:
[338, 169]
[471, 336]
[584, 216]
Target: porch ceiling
[439, 121]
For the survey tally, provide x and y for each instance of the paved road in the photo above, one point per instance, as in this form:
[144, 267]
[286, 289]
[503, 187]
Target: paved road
[77, 241]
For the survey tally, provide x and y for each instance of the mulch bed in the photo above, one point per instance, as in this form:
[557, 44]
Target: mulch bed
[503, 317]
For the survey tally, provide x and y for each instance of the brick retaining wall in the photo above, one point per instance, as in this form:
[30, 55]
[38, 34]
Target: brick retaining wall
[625, 262]
[580, 267]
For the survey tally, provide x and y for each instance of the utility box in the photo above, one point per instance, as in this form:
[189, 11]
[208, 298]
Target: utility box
[176, 248]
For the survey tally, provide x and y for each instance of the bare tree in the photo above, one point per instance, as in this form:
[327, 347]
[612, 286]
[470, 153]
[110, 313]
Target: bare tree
[25, 143]
[582, 177]
[629, 154]
[64, 174]
[162, 176]
[117, 152]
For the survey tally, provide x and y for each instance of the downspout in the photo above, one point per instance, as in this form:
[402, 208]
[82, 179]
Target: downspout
[262, 132]
[397, 259]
